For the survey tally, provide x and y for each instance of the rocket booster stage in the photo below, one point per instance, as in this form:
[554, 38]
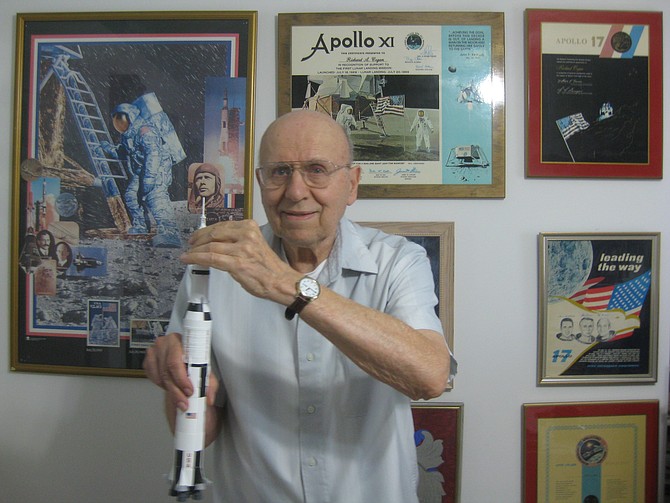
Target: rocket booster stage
[187, 477]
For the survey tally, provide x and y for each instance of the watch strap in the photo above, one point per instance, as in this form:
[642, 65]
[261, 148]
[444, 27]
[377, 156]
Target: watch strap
[298, 305]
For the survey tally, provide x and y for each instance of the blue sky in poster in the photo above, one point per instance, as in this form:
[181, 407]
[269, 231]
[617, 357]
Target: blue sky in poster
[466, 100]
[214, 91]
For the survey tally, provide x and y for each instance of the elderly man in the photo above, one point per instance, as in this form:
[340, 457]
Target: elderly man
[323, 331]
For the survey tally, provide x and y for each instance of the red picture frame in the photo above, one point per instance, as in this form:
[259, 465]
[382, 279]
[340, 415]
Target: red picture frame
[594, 92]
[584, 449]
[438, 438]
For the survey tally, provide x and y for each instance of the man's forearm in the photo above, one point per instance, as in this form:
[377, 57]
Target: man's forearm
[415, 362]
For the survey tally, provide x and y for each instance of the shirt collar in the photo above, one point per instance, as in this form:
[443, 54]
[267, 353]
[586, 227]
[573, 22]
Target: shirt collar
[350, 252]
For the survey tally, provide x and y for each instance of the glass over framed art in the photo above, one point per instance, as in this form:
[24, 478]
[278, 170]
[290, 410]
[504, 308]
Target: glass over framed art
[591, 452]
[598, 306]
[438, 436]
[594, 84]
[126, 125]
[421, 95]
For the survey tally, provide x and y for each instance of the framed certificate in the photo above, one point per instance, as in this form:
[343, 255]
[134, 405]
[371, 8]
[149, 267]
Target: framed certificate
[598, 308]
[591, 452]
[421, 95]
[126, 125]
[594, 94]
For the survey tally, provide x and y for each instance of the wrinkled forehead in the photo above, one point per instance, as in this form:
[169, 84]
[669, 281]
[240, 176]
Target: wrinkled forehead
[301, 136]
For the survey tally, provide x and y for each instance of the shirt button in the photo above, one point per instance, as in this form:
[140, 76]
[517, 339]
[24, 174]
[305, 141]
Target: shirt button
[311, 462]
[310, 357]
[311, 409]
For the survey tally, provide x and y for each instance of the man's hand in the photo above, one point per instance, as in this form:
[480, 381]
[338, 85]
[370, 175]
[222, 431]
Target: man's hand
[238, 247]
[164, 366]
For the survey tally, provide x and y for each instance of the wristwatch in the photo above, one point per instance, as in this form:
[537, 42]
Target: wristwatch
[307, 289]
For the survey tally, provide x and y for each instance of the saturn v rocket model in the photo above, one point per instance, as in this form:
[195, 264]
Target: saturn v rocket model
[187, 478]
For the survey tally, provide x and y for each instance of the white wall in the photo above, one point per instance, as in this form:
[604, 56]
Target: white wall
[100, 439]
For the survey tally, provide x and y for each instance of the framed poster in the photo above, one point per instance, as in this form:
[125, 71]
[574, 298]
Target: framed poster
[421, 96]
[598, 306]
[591, 452]
[438, 240]
[438, 436]
[594, 93]
[124, 124]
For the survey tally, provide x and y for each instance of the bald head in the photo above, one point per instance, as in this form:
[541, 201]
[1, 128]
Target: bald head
[305, 217]
[300, 128]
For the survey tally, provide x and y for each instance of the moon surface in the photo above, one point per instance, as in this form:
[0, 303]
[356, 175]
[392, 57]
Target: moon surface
[568, 267]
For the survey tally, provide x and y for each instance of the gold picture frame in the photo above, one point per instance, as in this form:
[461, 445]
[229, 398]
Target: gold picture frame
[420, 93]
[111, 110]
[598, 308]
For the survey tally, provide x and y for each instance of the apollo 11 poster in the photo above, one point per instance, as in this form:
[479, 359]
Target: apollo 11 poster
[420, 96]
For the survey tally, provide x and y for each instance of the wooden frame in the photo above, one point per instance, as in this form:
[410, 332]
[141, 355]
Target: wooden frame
[594, 85]
[439, 443]
[438, 240]
[426, 92]
[598, 305]
[103, 147]
[584, 451]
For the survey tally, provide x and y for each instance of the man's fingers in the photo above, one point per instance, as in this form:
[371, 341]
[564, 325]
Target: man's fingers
[150, 365]
[176, 395]
[164, 366]
[175, 374]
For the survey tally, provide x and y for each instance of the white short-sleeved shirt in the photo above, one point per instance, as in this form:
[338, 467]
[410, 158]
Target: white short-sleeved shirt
[301, 422]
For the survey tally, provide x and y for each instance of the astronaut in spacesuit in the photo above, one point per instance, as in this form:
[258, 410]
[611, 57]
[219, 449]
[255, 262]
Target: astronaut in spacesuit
[345, 118]
[149, 161]
[423, 127]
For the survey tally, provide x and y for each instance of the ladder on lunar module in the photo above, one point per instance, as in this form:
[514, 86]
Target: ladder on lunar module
[92, 127]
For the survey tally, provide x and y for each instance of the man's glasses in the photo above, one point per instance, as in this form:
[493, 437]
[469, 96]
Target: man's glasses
[316, 173]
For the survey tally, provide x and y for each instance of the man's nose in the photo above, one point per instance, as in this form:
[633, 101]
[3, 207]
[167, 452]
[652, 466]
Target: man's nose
[296, 186]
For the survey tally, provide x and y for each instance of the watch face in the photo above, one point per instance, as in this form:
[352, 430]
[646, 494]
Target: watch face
[309, 288]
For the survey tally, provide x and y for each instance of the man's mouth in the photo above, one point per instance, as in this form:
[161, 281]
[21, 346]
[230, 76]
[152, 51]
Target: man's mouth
[298, 215]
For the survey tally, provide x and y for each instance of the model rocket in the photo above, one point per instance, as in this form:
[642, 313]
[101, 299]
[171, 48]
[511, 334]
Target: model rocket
[187, 477]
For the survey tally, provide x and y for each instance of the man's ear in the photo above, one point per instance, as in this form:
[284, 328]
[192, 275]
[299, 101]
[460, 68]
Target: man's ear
[354, 180]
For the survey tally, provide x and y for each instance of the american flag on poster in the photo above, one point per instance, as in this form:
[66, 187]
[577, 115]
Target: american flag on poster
[580, 295]
[628, 296]
[571, 125]
[391, 105]
[597, 299]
